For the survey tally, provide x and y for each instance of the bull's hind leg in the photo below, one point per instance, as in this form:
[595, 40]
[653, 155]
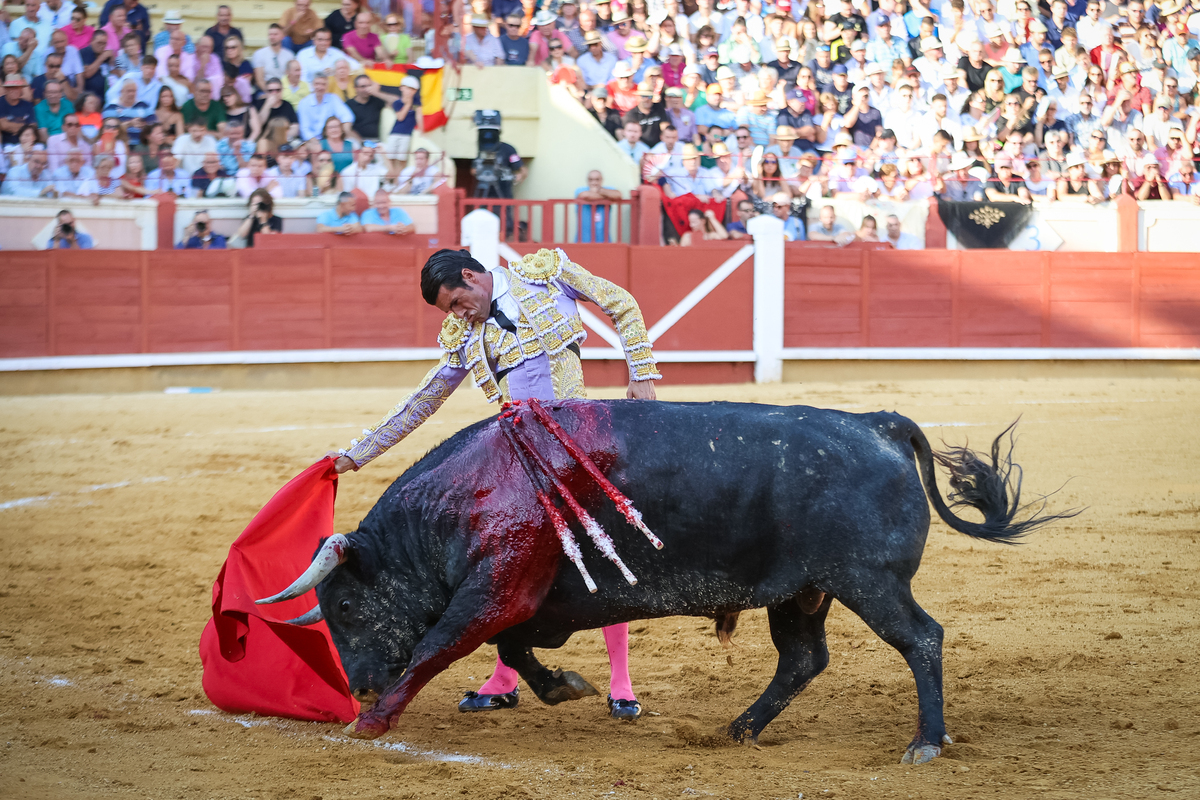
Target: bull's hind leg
[886, 604]
[551, 687]
[800, 639]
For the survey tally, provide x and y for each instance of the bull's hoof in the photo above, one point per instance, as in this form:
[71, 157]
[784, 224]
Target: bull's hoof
[624, 710]
[924, 752]
[474, 701]
[573, 686]
[366, 727]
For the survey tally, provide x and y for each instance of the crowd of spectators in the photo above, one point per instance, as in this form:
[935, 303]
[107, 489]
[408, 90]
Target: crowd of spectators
[100, 105]
[998, 100]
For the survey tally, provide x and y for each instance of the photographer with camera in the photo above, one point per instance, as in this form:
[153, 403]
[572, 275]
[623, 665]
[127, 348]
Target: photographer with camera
[261, 220]
[66, 237]
[200, 235]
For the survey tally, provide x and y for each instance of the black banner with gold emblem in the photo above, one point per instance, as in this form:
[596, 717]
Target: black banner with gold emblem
[977, 225]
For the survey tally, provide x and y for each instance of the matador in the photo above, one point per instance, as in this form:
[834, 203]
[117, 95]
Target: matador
[516, 331]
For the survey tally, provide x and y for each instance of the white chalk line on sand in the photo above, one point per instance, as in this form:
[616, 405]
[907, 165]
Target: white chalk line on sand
[99, 487]
[396, 747]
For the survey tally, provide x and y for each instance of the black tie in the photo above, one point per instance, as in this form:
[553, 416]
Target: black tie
[501, 318]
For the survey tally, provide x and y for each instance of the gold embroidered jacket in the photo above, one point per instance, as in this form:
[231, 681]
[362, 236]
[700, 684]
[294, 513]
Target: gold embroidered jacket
[536, 361]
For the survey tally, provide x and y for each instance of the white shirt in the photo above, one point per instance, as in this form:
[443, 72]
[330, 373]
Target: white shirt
[191, 153]
[502, 297]
[56, 19]
[906, 241]
[66, 183]
[1091, 34]
[247, 185]
[311, 63]
[366, 179]
[422, 183]
[904, 124]
[271, 63]
[291, 185]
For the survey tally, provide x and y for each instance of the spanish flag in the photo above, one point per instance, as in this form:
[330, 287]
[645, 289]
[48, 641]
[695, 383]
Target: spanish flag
[433, 111]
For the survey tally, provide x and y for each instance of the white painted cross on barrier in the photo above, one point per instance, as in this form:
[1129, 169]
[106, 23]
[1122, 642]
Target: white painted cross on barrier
[481, 233]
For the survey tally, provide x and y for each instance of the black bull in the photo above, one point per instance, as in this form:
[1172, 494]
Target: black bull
[787, 508]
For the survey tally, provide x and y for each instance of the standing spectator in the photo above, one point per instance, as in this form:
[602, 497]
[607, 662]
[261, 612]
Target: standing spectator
[341, 21]
[168, 178]
[863, 121]
[79, 33]
[631, 144]
[420, 177]
[514, 45]
[321, 57]
[271, 61]
[364, 173]
[650, 115]
[367, 107]
[408, 119]
[287, 172]
[59, 146]
[261, 221]
[361, 44]
[340, 219]
[956, 184]
[199, 235]
[66, 236]
[223, 29]
[299, 23]
[191, 149]
[593, 219]
[320, 106]
[172, 21]
[481, 48]
[382, 218]
[898, 238]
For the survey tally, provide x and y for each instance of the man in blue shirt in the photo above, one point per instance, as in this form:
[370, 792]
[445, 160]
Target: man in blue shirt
[200, 235]
[30, 179]
[593, 220]
[514, 45]
[340, 219]
[382, 218]
[66, 237]
[793, 227]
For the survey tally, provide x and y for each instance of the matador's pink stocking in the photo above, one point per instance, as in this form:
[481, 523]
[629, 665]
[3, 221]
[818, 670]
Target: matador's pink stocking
[503, 680]
[616, 639]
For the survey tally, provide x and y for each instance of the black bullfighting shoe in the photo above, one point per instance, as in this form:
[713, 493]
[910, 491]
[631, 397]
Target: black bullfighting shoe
[624, 710]
[474, 701]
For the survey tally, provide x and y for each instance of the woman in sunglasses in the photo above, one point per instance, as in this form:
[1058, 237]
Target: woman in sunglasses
[239, 72]
[111, 143]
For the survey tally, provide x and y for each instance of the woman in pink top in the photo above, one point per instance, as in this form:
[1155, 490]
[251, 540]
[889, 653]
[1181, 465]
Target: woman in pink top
[361, 43]
[79, 33]
[116, 28]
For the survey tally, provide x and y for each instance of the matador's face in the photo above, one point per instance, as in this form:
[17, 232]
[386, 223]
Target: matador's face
[471, 303]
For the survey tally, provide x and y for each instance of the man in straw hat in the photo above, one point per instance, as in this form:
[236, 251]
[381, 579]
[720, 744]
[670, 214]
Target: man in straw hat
[596, 65]
[650, 115]
[956, 185]
[481, 48]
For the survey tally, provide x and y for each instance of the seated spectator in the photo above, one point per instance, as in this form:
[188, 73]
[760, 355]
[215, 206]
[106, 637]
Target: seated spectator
[828, 229]
[745, 213]
[271, 61]
[31, 178]
[340, 219]
[321, 57]
[334, 142]
[15, 110]
[704, 225]
[168, 178]
[261, 221]
[408, 120]
[596, 65]
[317, 109]
[608, 118]
[223, 30]
[254, 177]
[298, 24]
[1151, 184]
[382, 218]
[481, 48]
[272, 110]
[105, 183]
[295, 88]
[793, 226]
[211, 180]
[237, 112]
[132, 114]
[234, 150]
[868, 231]
[239, 71]
[79, 33]
[323, 179]
[66, 236]
[1075, 184]
[199, 235]
[631, 144]
[288, 173]
[956, 184]
[420, 177]
[180, 85]
[52, 110]
[203, 107]
[71, 176]
[133, 179]
[1184, 185]
[898, 238]
[365, 173]
[1041, 187]
[515, 46]
[190, 149]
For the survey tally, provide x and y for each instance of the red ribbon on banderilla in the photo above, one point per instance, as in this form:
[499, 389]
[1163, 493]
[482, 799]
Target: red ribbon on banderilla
[540, 473]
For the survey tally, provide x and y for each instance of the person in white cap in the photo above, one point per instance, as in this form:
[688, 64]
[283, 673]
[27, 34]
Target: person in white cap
[408, 120]
[544, 32]
[932, 60]
[481, 48]
[989, 24]
[957, 185]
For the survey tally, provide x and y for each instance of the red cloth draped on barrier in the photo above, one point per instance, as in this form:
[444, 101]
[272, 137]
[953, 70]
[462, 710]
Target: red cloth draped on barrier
[252, 661]
[677, 208]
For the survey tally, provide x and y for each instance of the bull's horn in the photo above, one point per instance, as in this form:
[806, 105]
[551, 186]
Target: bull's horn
[311, 617]
[332, 553]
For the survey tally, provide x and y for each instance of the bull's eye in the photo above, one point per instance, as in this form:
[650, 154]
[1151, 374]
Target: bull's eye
[344, 606]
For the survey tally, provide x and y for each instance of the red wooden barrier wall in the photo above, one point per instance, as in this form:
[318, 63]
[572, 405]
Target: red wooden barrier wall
[95, 302]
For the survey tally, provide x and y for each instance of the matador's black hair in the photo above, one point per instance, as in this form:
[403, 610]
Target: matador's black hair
[444, 268]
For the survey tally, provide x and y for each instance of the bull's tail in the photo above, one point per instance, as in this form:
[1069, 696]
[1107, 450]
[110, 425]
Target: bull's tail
[993, 489]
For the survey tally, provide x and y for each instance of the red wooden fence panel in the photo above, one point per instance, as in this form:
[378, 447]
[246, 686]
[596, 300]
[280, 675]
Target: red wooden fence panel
[190, 301]
[281, 299]
[97, 301]
[24, 306]
[1091, 300]
[1169, 299]
[910, 297]
[823, 298]
[999, 299]
[376, 299]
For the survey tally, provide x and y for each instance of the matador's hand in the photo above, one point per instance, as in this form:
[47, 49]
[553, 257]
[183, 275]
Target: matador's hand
[341, 463]
[641, 390]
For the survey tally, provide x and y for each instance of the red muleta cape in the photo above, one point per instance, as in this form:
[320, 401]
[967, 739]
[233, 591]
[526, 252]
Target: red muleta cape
[252, 660]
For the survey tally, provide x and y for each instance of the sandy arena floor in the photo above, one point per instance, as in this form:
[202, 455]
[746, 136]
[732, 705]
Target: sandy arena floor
[1071, 661]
